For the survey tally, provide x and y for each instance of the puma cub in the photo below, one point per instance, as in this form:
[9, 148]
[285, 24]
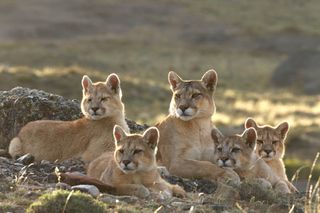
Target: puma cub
[237, 152]
[185, 146]
[87, 137]
[271, 148]
[132, 167]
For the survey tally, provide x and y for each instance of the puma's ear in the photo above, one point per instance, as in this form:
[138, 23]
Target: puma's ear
[113, 82]
[216, 136]
[118, 134]
[86, 83]
[174, 80]
[250, 137]
[210, 79]
[250, 123]
[151, 137]
[283, 129]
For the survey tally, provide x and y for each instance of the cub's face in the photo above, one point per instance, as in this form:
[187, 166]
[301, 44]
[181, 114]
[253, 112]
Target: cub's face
[135, 152]
[101, 99]
[234, 151]
[193, 98]
[270, 141]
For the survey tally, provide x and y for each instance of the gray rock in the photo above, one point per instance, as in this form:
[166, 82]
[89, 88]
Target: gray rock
[26, 159]
[113, 199]
[300, 72]
[90, 189]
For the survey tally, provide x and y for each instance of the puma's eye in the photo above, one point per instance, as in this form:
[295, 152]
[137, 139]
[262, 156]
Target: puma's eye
[236, 149]
[104, 99]
[260, 141]
[89, 99]
[137, 151]
[274, 142]
[196, 95]
[121, 151]
[219, 149]
[177, 96]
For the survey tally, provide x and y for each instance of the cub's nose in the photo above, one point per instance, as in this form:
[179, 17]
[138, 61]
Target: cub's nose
[183, 107]
[126, 162]
[95, 109]
[224, 159]
[268, 151]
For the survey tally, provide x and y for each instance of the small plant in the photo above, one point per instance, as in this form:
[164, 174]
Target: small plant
[65, 201]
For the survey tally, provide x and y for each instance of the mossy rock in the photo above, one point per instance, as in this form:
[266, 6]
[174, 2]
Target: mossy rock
[57, 202]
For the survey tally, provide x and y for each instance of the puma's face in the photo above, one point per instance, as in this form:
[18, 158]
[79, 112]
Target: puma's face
[135, 152]
[270, 141]
[193, 98]
[234, 151]
[101, 99]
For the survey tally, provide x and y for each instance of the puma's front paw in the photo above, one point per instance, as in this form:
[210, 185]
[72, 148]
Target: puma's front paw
[230, 176]
[142, 192]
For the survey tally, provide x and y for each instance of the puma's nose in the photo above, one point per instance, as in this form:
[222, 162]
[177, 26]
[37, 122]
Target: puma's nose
[183, 107]
[95, 109]
[268, 151]
[224, 159]
[126, 162]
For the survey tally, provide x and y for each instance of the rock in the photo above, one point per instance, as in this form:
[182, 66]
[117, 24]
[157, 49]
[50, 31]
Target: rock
[22, 105]
[196, 185]
[299, 71]
[225, 194]
[112, 199]
[63, 186]
[90, 189]
[26, 159]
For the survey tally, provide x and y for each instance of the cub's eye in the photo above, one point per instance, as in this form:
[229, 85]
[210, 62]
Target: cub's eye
[121, 151]
[196, 95]
[177, 96]
[260, 142]
[137, 151]
[104, 99]
[89, 99]
[219, 149]
[236, 149]
[274, 142]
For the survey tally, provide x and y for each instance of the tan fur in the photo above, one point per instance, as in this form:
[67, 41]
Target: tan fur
[185, 145]
[271, 147]
[237, 152]
[87, 137]
[132, 168]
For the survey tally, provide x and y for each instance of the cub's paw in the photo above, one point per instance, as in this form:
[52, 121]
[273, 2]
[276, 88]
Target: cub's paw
[263, 183]
[282, 187]
[178, 191]
[142, 192]
[231, 177]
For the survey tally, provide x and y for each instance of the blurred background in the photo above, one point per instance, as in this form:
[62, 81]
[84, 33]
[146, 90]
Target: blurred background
[266, 53]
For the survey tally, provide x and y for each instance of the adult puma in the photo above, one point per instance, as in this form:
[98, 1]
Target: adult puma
[87, 137]
[185, 147]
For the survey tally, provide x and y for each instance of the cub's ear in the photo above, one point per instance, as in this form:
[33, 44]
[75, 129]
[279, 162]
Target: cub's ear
[216, 136]
[210, 79]
[250, 123]
[283, 129]
[250, 137]
[174, 80]
[86, 83]
[118, 134]
[151, 137]
[113, 82]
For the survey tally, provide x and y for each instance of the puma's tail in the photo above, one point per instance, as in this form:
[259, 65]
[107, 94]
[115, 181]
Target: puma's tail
[15, 147]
